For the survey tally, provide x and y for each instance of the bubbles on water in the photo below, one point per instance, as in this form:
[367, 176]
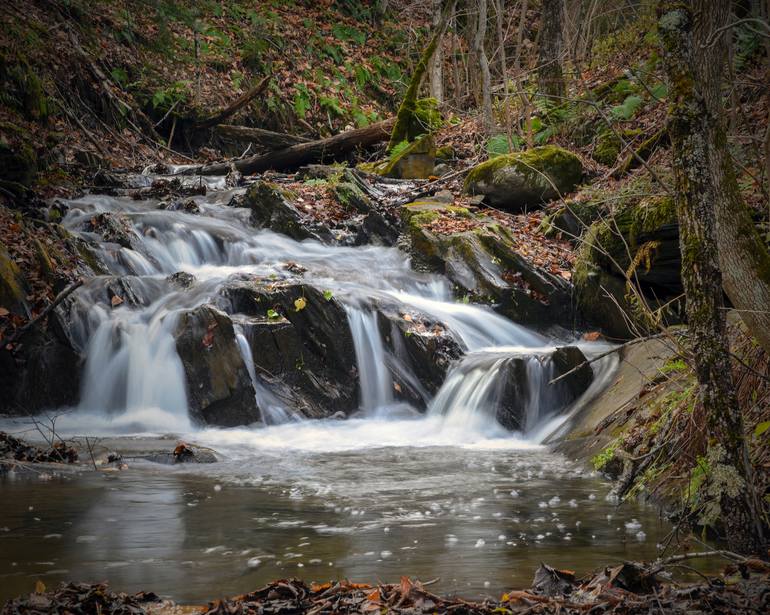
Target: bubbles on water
[217, 487]
[480, 543]
[514, 493]
[554, 501]
[253, 562]
[633, 525]
[385, 554]
[641, 536]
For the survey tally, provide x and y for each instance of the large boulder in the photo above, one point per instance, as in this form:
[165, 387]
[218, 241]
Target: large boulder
[639, 241]
[480, 258]
[219, 388]
[301, 344]
[525, 180]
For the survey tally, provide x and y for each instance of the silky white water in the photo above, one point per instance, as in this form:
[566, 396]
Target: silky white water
[134, 381]
[447, 492]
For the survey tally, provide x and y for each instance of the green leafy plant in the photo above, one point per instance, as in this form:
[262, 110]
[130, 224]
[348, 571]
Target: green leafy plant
[628, 109]
[273, 315]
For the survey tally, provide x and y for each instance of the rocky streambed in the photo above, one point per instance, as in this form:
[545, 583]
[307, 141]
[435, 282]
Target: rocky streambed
[373, 409]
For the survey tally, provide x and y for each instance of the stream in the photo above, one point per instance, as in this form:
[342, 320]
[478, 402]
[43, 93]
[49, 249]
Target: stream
[443, 491]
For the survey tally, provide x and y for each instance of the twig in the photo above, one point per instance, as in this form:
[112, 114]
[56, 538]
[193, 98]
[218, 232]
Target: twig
[638, 340]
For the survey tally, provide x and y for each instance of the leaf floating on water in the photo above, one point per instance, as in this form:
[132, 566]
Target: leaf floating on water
[116, 301]
[299, 304]
[39, 587]
[592, 336]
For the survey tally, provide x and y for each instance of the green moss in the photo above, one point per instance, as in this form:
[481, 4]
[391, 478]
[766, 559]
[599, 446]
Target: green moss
[561, 166]
[601, 460]
[445, 153]
[412, 160]
[414, 119]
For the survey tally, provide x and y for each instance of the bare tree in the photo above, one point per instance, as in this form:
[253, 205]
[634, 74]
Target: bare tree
[504, 71]
[549, 74]
[436, 71]
[485, 93]
[696, 200]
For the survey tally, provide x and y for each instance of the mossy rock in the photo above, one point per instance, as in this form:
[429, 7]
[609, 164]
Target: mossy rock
[445, 153]
[571, 220]
[640, 240]
[482, 263]
[522, 180]
[414, 119]
[19, 166]
[415, 161]
[272, 207]
[13, 295]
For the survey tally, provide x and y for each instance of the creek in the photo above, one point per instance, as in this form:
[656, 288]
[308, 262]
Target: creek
[442, 490]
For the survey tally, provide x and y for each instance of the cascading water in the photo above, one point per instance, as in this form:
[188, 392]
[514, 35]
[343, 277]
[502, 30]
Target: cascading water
[133, 369]
[375, 381]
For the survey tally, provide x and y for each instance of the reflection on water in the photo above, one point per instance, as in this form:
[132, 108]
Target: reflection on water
[481, 520]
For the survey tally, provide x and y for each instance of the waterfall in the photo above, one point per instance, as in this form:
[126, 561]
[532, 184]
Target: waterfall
[133, 368]
[375, 382]
[270, 407]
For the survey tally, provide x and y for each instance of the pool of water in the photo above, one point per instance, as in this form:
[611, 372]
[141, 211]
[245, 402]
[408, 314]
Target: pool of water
[320, 501]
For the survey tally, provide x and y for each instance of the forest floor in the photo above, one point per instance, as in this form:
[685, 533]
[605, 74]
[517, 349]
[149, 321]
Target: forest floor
[628, 589]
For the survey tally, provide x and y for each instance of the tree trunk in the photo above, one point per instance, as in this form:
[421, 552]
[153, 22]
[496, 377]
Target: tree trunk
[407, 108]
[303, 153]
[437, 61]
[702, 280]
[549, 74]
[743, 255]
[485, 94]
[504, 72]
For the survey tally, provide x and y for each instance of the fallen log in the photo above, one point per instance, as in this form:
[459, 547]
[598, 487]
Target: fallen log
[264, 139]
[302, 153]
[239, 103]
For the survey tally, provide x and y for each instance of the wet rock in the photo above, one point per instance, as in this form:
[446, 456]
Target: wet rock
[420, 353]
[525, 180]
[301, 344]
[525, 381]
[112, 228]
[272, 207]
[42, 372]
[182, 280]
[484, 265]
[219, 389]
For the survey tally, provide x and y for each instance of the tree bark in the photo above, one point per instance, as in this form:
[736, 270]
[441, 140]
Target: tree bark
[696, 196]
[437, 61]
[303, 153]
[484, 84]
[549, 74]
[504, 72]
[743, 255]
